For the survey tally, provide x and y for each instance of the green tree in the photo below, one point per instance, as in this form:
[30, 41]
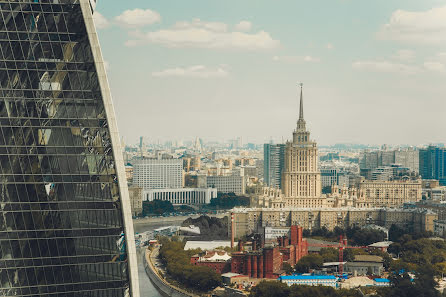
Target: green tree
[177, 263]
[329, 254]
[287, 268]
[387, 260]
[305, 291]
[422, 286]
[157, 207]
[270, 289]
[229, 200]
[311, 261]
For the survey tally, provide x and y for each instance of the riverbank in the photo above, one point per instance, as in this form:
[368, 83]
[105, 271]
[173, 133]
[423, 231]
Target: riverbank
[163, 286]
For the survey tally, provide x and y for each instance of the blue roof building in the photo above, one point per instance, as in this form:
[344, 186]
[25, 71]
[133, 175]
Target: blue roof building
[310, 280]
[381, 282]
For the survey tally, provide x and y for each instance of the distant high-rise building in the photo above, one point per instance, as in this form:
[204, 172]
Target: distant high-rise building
[158, 173]
[226, 184]
[333, 176]
[141, 142]
[370, 160]
[66, 227]
[198, 144]
[273, 164]
[301, 176]
[433, 163]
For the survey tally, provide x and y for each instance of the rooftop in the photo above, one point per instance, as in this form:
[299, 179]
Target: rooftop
[309, 277]
[333, 264]
[368, 258]
[382, 280]
[381, 244]
[231, 274]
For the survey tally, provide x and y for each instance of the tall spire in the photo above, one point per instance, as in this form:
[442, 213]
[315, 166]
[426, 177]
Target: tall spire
[301, 111]
[301, 122]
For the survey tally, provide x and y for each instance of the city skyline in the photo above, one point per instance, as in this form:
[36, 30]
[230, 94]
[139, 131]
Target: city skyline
[236, 73]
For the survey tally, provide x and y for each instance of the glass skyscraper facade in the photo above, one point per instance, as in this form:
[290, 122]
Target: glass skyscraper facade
[273, 164]
[65, 219]
[433, 163]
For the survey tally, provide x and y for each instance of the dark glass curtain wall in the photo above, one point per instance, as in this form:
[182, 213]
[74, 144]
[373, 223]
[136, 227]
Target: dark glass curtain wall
[60, 216]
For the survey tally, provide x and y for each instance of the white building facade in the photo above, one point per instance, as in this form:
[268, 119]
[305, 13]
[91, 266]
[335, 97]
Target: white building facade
[227, 184]
[158, 173]
[190, 196]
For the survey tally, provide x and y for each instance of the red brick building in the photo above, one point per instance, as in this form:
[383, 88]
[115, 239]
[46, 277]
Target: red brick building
[219, 261]
[267, 262]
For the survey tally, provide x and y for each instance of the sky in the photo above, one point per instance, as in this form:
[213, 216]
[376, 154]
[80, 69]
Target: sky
[374, 72]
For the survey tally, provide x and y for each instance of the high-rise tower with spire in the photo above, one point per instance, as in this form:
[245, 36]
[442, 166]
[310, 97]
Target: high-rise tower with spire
[301, 177]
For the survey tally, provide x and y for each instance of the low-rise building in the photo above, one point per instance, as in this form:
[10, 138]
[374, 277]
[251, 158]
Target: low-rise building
[219, 261]
[365, 264]
[188, 196]
[310, 280]
[234, 278]
[440, 228]
[382, 245]
[381, 282]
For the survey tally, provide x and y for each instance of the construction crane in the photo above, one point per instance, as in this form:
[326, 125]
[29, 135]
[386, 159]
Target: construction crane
[341, 246]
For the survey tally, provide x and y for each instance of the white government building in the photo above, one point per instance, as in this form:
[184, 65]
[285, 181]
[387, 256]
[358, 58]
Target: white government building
[158, 173]
[194, 196]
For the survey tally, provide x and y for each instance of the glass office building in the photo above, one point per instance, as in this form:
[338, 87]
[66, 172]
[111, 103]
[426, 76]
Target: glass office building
[65, 219]
[273, 164]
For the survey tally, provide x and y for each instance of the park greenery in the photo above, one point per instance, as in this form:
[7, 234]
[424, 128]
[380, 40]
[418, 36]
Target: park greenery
[156, 207]
[277, 289]
[402, 285]
[416, 251]
[177, 263]
[228, 201]
[421, 260]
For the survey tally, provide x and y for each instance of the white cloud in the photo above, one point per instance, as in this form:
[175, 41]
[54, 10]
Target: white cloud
[385, 66]
[435, 66]
[330, 46]
[425, 26]
[198, 71]
[296, 59]
[197, 23]
[100, 21]
[243, 26]
[200, 34]
[404, 55]
[138, 18]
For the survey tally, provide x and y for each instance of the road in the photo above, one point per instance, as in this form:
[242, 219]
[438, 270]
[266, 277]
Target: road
[147, 289]
[149, 224]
